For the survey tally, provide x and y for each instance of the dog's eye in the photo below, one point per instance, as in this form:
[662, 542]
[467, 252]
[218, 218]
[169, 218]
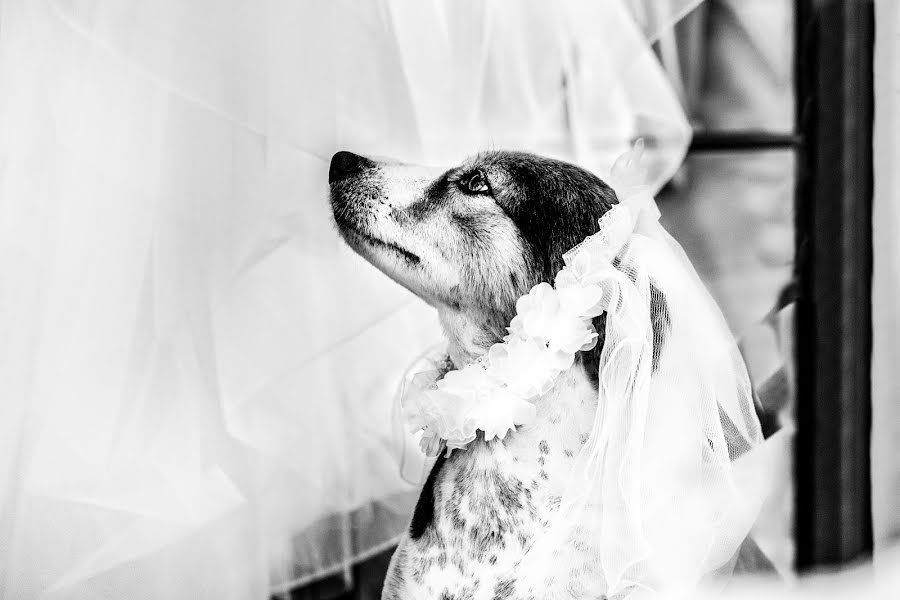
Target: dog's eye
[475, 183]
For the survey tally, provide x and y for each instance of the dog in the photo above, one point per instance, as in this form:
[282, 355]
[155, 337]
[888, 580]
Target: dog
[470, 241]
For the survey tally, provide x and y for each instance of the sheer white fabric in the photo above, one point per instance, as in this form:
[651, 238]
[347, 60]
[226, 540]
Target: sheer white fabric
[668, 483]
[671, 479]
[195, 374]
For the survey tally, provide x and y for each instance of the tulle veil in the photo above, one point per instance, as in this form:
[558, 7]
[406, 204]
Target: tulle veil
[196, 377]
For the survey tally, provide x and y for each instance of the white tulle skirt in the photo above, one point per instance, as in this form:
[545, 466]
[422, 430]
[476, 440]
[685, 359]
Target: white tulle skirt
[196, 377]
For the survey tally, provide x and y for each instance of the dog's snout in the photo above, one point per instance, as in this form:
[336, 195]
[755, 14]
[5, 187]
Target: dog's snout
[345, 164]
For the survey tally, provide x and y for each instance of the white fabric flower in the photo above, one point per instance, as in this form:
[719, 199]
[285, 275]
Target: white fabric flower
[590, 261]
[430, 442]
[495, 408]
[452, 416]
[440, 415]
[542, 315]
[469, 384]
[627, 171]
[460, 438]
[627, 178]
[501, 412]
[586, 301]
[528, 366]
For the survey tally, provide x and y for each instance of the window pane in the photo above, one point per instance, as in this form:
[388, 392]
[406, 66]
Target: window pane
[733, 214]
[732, 62]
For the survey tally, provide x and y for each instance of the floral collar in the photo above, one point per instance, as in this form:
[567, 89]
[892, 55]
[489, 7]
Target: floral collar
[496, 393]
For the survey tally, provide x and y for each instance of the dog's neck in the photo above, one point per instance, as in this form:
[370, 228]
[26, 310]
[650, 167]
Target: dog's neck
[468, 336]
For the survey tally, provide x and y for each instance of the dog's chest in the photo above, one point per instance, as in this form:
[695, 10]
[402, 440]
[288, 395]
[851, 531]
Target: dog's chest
[490, 504]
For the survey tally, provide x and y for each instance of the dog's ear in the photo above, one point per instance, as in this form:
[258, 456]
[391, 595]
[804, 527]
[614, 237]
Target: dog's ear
[659, 318]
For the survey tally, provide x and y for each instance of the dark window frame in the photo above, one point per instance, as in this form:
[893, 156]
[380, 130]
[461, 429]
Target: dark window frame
[833, 512]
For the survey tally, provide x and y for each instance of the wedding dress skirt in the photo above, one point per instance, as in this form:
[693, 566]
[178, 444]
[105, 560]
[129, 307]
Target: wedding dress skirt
[196, 376]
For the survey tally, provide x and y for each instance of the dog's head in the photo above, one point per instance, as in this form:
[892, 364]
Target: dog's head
[471, 239]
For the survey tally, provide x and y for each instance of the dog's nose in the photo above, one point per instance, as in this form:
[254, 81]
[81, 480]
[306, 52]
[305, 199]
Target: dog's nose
[344, 164]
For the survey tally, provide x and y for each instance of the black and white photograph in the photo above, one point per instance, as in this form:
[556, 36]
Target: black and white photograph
[449, 299]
